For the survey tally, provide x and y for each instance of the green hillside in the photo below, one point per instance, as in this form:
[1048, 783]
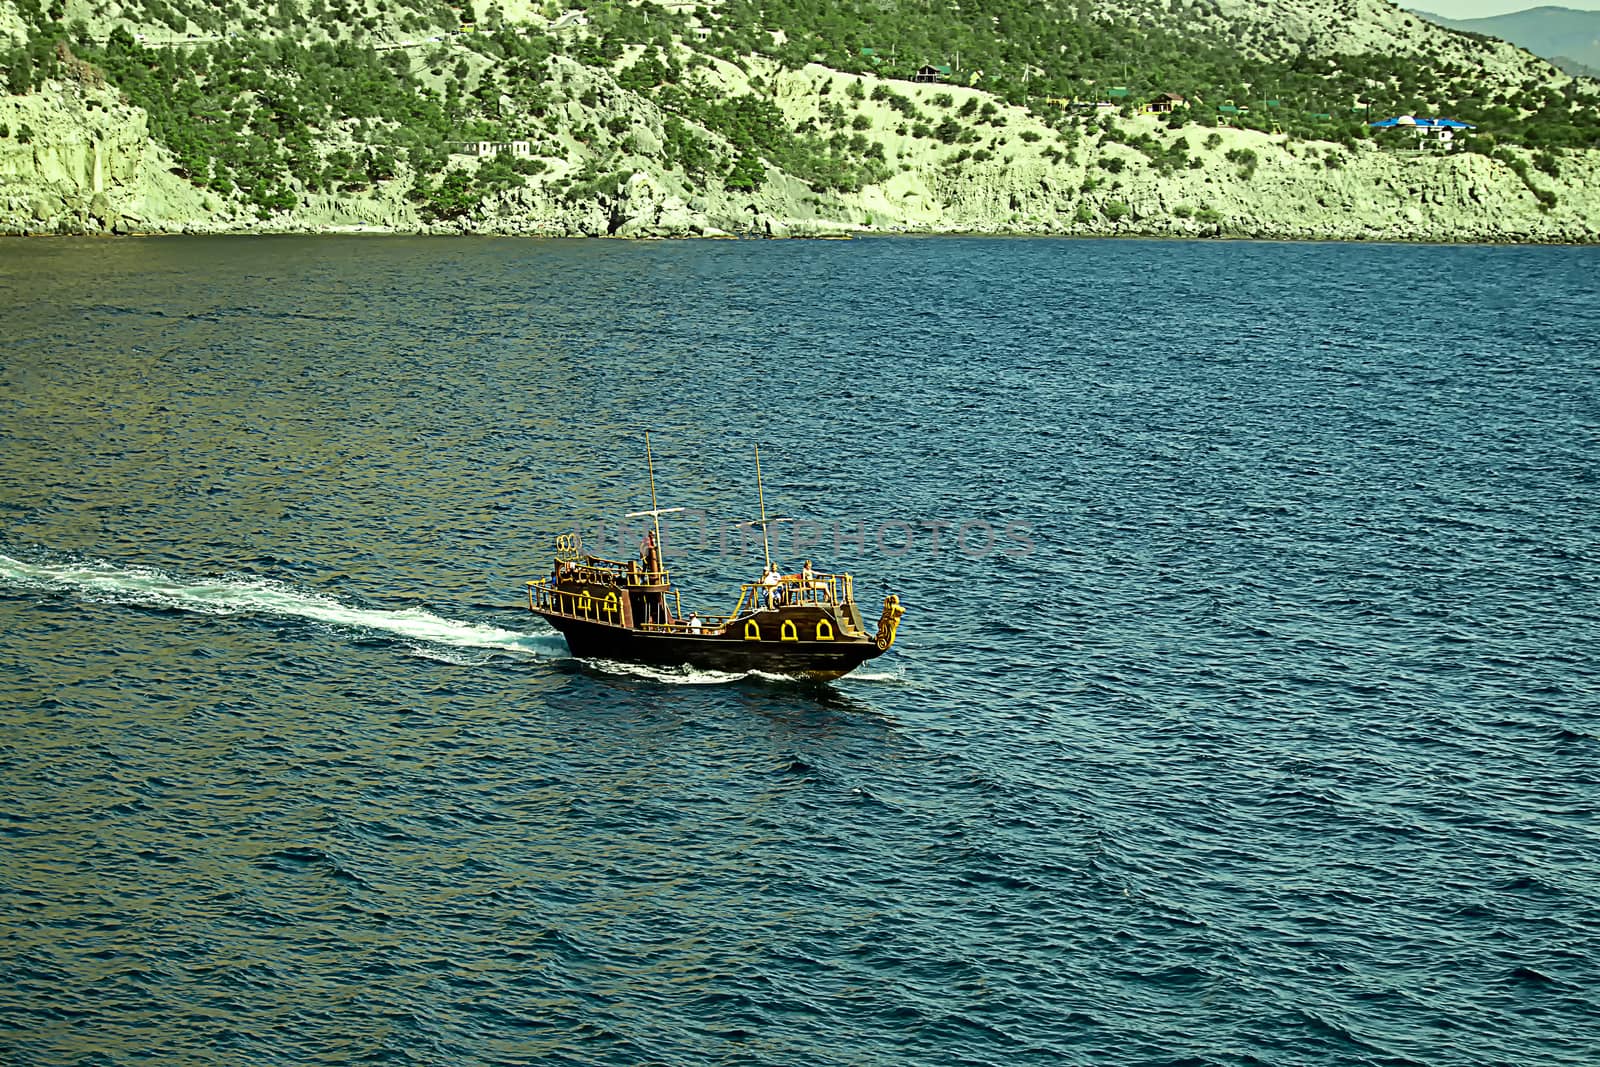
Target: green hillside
[305, 98]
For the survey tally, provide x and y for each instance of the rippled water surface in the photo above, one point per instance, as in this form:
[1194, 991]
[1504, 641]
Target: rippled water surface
[1245, 710]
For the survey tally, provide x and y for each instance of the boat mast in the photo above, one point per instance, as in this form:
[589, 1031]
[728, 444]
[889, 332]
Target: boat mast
[761, 499]
[655, 512]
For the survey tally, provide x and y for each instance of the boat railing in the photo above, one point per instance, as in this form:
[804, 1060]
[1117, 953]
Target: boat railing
[597, 607]
[607, 606]
[797, 589]
[710, 626]
[597, 570]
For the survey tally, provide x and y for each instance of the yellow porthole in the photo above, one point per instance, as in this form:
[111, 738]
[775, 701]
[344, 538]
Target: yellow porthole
[788, 632]
[752, 632]
[824, 630]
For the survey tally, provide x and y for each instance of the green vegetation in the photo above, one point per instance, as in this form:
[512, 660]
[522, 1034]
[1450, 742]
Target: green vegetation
[273, 102]
[755, 127]
[1045, 55]
[1163, 158]
[1244, 159]
[1519, 166]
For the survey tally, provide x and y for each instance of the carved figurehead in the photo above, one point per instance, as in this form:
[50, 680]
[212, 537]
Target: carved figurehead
[889, 621]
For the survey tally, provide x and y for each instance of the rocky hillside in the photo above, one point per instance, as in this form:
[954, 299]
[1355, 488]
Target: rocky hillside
[642, 120]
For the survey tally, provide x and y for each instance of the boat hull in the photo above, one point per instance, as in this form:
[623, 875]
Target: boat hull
[713, 652]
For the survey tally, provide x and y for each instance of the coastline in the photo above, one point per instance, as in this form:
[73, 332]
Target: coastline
[841, 233]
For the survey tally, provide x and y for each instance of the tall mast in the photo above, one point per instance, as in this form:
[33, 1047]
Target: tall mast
[761, 499]
[655, 512]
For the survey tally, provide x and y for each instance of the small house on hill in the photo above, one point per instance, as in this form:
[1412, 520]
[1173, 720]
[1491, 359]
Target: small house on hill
[489, 149]
[931, 73]
[1438, 131]
[1164, 103]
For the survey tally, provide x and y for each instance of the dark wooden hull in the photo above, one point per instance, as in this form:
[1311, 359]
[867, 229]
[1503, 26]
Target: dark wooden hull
[713, 652]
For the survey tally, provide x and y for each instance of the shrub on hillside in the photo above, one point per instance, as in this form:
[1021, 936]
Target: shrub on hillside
[1245, 158]
[747, 174]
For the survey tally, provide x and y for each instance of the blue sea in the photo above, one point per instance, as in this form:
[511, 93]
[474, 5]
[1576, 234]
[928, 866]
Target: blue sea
[1246, 708]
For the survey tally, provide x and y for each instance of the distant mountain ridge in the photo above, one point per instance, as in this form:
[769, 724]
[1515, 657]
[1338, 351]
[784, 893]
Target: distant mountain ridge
[1570, 39]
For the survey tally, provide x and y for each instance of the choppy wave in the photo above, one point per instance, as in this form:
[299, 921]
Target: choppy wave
[1277, 747]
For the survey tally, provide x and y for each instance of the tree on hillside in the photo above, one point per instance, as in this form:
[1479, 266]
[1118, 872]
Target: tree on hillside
[20, 78]
[747, 174]
[453, 199]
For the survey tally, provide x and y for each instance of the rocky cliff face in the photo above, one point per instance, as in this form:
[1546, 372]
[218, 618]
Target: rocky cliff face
[75, 158]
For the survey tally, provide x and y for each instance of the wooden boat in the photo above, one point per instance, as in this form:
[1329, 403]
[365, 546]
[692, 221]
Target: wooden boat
[802, 625]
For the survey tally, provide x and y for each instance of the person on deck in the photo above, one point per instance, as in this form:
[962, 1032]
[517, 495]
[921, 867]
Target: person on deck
[769, 582]
[647, 553]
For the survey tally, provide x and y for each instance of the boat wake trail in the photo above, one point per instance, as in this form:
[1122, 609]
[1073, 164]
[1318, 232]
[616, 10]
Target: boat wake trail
[686, 675]
[436, 637]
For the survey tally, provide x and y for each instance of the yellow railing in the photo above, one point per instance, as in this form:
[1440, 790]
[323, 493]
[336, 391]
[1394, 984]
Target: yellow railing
[584, 604]
[794, 589]
[598, 607]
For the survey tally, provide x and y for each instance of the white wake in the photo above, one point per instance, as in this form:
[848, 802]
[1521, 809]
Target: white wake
[98, 582]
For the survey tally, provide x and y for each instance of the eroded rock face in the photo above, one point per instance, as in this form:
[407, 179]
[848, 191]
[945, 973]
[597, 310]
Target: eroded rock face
[77, 159]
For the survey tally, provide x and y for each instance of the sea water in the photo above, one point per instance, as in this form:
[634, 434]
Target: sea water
[1244, 711]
